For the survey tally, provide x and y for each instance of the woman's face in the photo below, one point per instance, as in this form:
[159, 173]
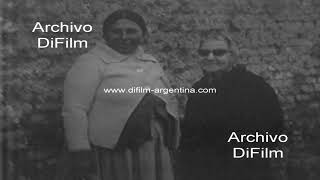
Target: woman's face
[124, 36]
[215, 55]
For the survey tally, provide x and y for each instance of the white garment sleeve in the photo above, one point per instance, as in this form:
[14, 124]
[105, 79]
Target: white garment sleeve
[79, 91]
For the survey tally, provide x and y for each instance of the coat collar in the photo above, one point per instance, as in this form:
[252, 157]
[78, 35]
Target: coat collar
[108, 55]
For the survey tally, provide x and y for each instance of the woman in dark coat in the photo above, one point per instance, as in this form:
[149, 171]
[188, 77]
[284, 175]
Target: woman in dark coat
[243, 103]
[128, 134]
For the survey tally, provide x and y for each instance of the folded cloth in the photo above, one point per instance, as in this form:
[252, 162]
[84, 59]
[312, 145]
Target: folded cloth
[138, 127]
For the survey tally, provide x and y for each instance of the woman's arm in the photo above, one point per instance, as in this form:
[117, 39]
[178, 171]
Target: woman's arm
[79, 90]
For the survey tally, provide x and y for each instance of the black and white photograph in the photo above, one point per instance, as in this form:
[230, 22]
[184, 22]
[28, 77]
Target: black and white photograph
[160, 90]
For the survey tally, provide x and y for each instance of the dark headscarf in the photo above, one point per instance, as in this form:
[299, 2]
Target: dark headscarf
[124, 14]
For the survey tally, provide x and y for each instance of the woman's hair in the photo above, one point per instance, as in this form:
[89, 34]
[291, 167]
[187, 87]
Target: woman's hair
[216, 34]
[124, 14]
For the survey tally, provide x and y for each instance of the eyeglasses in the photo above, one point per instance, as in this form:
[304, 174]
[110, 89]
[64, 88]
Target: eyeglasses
[215, 52]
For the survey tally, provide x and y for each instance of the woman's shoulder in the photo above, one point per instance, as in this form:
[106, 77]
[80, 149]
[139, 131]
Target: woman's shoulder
[241, 71]
[84, 63]
[148, 57]
[97, 55]
[203, 82]
[251, 79]
[87, 59]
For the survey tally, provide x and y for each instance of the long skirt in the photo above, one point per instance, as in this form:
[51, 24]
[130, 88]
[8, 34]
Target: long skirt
[149, 161]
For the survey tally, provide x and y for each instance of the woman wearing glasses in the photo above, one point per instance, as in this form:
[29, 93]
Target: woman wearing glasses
[127, 135]
[243, 103]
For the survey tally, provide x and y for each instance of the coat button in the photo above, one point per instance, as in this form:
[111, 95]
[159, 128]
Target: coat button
[139, 70]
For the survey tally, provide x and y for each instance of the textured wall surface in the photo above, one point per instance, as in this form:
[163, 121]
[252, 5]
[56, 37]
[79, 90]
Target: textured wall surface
[277, 39]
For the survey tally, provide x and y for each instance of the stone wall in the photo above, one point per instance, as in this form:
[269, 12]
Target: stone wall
[277, 39]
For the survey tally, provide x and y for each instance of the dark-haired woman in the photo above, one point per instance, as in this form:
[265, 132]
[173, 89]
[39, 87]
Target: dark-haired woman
[242, 103]
[130, 133]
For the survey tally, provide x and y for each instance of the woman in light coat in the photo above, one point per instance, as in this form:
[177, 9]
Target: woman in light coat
[130, 134]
